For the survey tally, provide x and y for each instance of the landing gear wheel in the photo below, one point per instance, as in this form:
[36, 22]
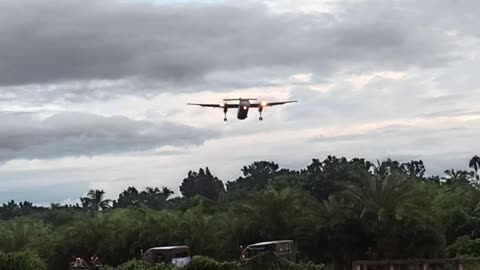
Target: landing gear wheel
[225, 119]
[261, 118]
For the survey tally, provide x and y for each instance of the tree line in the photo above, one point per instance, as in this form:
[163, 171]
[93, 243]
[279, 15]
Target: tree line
[337, 210]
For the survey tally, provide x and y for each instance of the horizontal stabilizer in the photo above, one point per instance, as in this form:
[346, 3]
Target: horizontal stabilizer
[232, 99]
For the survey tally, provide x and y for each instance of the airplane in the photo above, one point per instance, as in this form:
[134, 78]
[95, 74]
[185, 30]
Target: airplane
[243, 106]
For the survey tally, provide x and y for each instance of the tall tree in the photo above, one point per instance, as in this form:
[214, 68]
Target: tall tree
[387, 167]
[475, 165]
[153, 198]
[414, 168]
[273, 214]
[128, 198]
[167, 192]
[202, 183]
[9, 210]
[255, 176]
[393, 207]
[324, 178]
[458, 177]
[95, 202]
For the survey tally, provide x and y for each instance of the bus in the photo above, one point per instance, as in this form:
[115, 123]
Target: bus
[179, 256]
[282, 248]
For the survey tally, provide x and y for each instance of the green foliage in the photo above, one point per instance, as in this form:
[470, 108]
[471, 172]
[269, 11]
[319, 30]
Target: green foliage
[153, 198]
[21, 261]
[202, 183]
[336, 211]
[95, 202]
[255, 176]
[140, 265]
[464, 246]
[23, 233]
[269, 261]
[205, 263]
[263, 261]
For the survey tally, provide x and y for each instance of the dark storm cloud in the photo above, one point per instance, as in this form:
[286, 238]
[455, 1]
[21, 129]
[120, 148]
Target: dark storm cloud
[186, 45]
[26, 135]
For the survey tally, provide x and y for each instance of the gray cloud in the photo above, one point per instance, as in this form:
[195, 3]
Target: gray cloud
[80, 51]
[418, 94]
[440, 147]
[169, 47]
[45, 195]
[26, 135]
[392, 132]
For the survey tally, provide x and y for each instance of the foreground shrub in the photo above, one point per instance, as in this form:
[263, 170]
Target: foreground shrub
[140, 265]
[205, 263]
[269, 261]
[310, 266]
[464, 246]
[265, 261]
[21, 261]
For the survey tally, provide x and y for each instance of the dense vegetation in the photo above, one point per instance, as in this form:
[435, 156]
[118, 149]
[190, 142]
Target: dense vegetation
[21, 261]
[262, 261]
[336, 210]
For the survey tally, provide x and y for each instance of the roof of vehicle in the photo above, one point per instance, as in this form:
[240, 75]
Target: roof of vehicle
[168, 248]
[269, 243]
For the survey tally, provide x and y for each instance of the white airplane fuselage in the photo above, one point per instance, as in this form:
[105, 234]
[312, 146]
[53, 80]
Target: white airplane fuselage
[243, 107]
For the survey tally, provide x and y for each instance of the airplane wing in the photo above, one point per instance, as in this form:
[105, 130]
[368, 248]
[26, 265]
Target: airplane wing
[215, 105]
[270, 104]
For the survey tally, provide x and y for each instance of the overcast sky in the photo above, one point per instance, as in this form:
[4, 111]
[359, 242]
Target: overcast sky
[93, 93]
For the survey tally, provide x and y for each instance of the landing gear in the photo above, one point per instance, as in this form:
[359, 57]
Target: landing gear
[261, 118]
[260, 109]
[225, 112]
[225, 119]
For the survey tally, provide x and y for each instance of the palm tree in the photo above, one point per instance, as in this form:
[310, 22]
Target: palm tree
[154, 198]
[167, 192]
[385, 197]
[475, 165]
[386, 167]
[383, 203]
[458, 177]
[95, 201]
[152, 191]
[274, 213]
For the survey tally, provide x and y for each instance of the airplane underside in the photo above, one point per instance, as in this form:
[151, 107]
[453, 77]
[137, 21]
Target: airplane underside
[243, 107]
[242, 113]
